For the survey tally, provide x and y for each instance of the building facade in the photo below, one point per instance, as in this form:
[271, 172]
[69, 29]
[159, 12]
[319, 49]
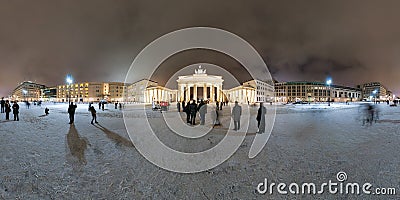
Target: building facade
[159, 93]
[27, 91]
[49, 94]
[136, 92]
[253, 91]
[314, 92]
[374, 90]
[91, 92]
[147, 91]
[241, 94]
[264, 90]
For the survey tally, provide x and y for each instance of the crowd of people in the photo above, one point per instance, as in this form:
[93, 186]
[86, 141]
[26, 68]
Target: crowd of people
[192, 108]
[6, 108]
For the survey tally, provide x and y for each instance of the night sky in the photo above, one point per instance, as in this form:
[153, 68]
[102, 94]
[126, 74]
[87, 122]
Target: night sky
[351, 41]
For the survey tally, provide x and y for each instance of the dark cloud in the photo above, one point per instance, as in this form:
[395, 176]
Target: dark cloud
[352, 41]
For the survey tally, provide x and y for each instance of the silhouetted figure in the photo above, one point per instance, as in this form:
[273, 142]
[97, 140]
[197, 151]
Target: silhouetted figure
[187, 111]
[178, 106]
[46, 111]
[99, 105]
[120, 105]
[183, 106]
[202, 112]
[193, 111]
[28, 105]
[15, 109]
[102, 106]
[217, 104]
[3, 104]
[71, 112]
[261, 119]
[93, 112]
[7, 110]
[116, 105]
[236, 114]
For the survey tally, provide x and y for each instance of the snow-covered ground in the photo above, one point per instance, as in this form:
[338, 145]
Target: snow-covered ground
[43, 157]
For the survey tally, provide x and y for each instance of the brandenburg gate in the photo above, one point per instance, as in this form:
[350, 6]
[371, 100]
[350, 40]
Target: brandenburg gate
[200, 86]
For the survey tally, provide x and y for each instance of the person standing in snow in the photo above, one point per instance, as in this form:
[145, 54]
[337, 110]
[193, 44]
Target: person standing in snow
[261, 118]
[93, 112]
[3, 104]
[193, 111]
[236, 114]
[7, 110]
[178, 105]
[71, 112]
[15, 109]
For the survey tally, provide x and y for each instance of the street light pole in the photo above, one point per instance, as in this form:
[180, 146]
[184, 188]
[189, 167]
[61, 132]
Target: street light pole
[374, 96]
[329, 82]
[69, 80]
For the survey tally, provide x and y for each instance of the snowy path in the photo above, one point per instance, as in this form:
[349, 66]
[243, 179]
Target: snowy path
[43, 157]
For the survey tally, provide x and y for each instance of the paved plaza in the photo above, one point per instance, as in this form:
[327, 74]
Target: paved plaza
[43, 157]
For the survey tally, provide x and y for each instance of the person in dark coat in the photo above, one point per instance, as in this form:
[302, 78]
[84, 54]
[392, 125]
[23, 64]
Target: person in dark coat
[102, 105]
[99, 105]
[116, 105]
[217, 104]
[183, 106]
[71, 112]
[193, 111]
[46, 111]
[7, 109]
[15, 109]
[178, 105]
[3, 104]
[93, 112]
[187, 111]
[261, 119]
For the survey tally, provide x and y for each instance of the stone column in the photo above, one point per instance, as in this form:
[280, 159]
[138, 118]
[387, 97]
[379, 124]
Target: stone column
[204, 91]
[182, 93]
[218, 95]
[195, 92]
[212, 93]
[240, 96]
[187, 93]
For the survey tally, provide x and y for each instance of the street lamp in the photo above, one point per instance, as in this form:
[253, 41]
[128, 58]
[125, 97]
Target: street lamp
[69, 80]
[329, 82]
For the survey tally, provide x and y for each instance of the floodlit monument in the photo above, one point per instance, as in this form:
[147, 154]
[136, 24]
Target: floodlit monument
[200, 86]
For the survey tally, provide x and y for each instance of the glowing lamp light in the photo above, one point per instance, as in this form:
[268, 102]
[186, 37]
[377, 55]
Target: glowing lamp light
[69, 79]
[329, 81]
